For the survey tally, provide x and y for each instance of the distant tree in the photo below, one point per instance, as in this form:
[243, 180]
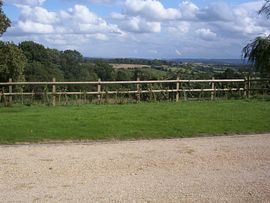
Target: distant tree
[86, 72]
[104, 70]
[258, 51]
[37, 71]
[4, 21]
[34, 51]
[228, 74]
[12, 62]
[54, 56]
[122, 75]
[70, 61]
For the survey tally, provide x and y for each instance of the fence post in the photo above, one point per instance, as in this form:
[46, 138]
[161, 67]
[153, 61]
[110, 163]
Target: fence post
[138, 91]
[54, 93]
[246, 88]
[177, 89]
[249, 87]
[213, 89]
[99, 90]
[10, 91]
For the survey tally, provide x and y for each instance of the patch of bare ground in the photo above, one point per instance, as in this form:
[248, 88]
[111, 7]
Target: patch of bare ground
[128, 66]
[215, 169]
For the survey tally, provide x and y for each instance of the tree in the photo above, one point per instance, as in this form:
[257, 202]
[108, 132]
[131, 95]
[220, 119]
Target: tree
[4, 21]
[34, 51]
[37, 71]
[265, 9]
[258, 51]
[43, 64]
[70, 61]
[12, 62]
[104, 70]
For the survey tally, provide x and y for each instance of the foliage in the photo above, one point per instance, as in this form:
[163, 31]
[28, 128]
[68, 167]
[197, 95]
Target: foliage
[266, 9]
[12, 62]
[229, 74]
[70, 60]
[34, 51]
[258, 52]
[104, 70]
[139, 121]
[4, 21]
[37, 71]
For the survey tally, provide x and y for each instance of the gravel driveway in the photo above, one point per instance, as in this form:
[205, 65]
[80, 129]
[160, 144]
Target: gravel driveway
[214, 169]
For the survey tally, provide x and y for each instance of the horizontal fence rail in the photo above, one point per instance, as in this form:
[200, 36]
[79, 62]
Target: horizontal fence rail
[120, 82]
[176, 87]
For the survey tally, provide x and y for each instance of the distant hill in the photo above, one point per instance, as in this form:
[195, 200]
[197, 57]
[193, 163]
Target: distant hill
[213, 61]
[168, 61]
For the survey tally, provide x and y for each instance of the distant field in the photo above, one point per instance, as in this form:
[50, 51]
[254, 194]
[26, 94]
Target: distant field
[127, 66]
[133, 121]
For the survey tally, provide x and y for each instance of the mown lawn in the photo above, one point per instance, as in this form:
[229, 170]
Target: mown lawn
[133, 121]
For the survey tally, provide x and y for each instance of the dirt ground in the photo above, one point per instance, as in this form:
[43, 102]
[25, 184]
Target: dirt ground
[212, 169]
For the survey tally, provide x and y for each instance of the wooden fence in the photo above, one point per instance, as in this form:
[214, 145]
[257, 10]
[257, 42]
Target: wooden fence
[243, 86]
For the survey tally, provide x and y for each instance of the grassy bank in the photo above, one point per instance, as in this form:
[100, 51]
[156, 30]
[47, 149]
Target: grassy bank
[133, 121]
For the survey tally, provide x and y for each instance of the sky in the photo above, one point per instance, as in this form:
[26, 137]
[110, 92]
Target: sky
[138, 28]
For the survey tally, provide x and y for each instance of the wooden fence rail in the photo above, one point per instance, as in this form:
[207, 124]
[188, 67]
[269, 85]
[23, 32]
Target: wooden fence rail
[243, 85]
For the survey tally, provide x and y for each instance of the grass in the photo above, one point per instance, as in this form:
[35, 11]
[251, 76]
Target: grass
[133, 121]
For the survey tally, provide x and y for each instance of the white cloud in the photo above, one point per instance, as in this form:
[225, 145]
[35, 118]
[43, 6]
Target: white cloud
[179, 27]
[93, 1]
[140, 25]
[219, 11]
[245, 21]
[206, 34]
[33, 27]
[178, 52]
[77, 20]
[101, 1]
[26, 2]
[82, 14]
[188, 10]
[117, 16]
[151, 10]
[99, 36]
[37, 14]
[153, 51]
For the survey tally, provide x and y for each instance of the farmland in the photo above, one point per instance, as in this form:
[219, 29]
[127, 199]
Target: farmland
[128, 66]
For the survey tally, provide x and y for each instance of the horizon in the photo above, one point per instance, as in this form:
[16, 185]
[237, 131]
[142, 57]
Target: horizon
[147, 29]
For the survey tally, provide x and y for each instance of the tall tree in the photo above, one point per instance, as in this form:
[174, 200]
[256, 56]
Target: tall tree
[43, 64]
[4, 21]
[34, 51]
[258, 51]
[12, 62]
[70, 61]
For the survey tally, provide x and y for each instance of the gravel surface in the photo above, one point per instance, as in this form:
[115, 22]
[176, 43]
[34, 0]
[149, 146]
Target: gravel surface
[212, 169]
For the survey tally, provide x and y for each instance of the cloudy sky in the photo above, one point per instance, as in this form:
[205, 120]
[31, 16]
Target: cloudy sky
[138, 28]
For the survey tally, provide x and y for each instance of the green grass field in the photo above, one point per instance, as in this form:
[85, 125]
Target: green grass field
[133, 121]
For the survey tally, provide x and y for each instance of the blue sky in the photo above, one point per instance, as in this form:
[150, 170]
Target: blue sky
[138, 28]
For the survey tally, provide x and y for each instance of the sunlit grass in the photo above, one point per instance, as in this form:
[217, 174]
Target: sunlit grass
[133, 121]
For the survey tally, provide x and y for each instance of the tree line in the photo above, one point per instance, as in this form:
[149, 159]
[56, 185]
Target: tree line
[30, 61]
